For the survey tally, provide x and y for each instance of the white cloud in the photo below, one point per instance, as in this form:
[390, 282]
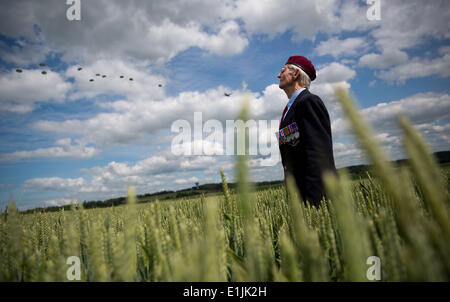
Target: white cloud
[304, 18]
[159, 164]
[75, 185]
[428, 112]
[405, 24]
[345, 48]
[330, 77]
[275, 17]
[168, 39]
[227, 42]
[56, 183]
[141, 30]
[347, 154]
[156, 32]
[112, 180]
[417, 68]
[155, 173]
[334, 73]
[419, 108]
[388, 58]
[19, 92]
[183, 181]
[65, 149]
[59, 202]
[134, 119]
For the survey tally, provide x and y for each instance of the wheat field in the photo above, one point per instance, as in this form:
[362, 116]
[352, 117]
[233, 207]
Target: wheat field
[398, 214]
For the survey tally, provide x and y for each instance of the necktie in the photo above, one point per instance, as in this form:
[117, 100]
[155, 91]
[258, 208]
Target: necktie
[282, 116]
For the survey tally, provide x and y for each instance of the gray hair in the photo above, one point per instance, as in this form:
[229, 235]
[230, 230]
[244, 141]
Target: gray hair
[303, 79]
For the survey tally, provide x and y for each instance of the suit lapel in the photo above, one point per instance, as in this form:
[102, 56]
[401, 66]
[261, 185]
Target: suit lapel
[289, 115]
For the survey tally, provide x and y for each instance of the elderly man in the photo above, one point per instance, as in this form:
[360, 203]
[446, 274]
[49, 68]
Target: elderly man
[305, 133]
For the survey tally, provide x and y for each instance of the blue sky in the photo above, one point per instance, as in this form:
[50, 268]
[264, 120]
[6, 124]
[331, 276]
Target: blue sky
[64, 138]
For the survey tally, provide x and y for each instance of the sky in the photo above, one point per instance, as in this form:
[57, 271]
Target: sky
[65, 138]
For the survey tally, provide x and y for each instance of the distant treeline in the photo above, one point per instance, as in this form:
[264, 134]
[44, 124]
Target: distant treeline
[442, 158]
[355, 171]
[150, 197]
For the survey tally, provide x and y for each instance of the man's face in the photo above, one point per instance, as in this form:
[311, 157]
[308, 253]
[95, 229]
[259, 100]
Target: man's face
[286, 76]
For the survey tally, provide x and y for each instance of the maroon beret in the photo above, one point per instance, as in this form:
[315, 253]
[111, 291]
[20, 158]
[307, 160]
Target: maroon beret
[304, 64]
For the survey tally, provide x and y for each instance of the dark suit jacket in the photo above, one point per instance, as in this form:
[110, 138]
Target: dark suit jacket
[309, 156]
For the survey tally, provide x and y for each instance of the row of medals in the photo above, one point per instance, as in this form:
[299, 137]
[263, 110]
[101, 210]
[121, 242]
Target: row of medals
[288, 133]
